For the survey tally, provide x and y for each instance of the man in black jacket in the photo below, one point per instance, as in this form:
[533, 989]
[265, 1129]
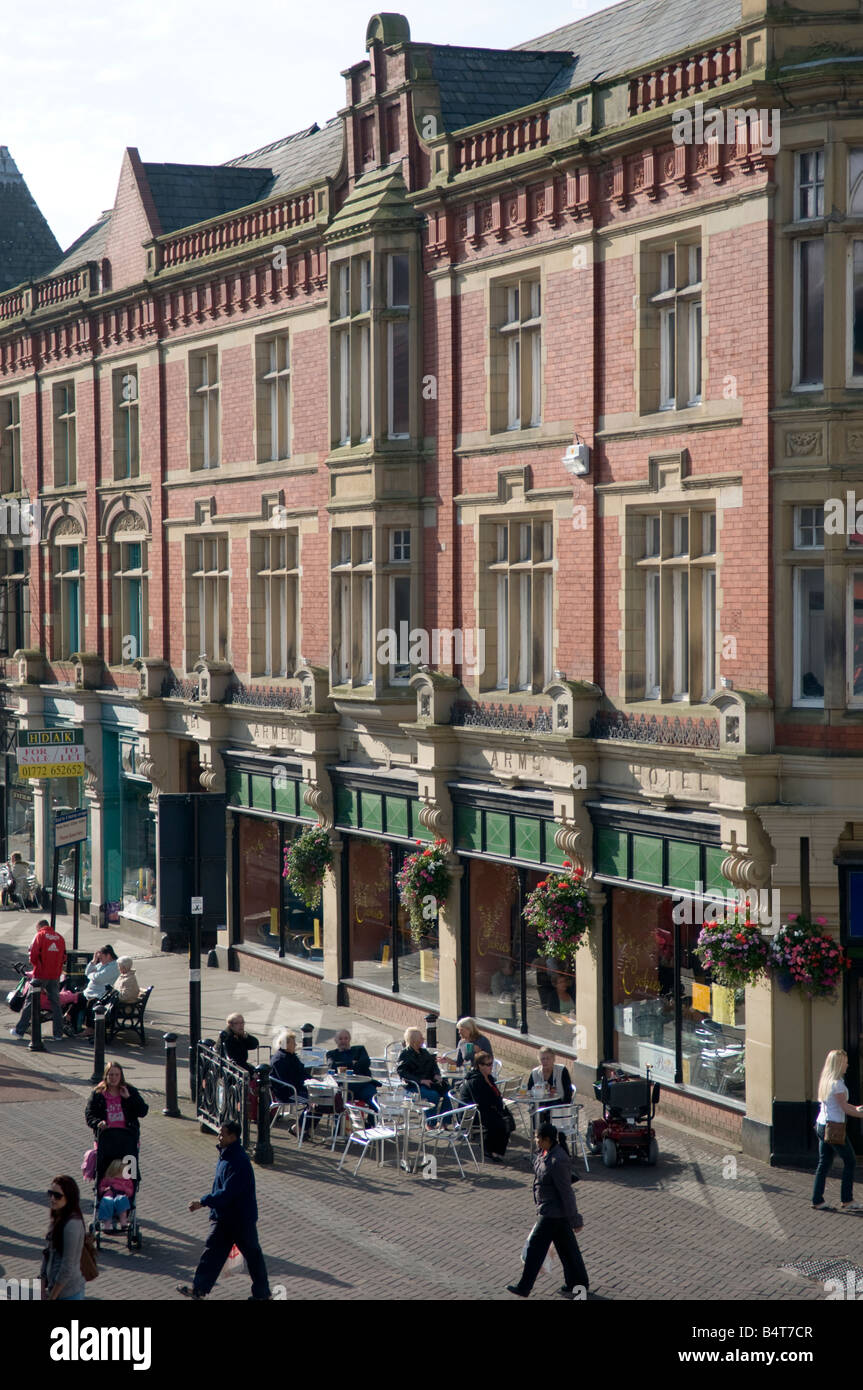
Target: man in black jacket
[558, 1218]
[234, 1214]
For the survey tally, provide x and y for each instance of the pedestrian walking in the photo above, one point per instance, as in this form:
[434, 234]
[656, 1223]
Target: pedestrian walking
[62, 1279]
[234, 1214]
[47, 957]
[558, 1215]
[830, 1126]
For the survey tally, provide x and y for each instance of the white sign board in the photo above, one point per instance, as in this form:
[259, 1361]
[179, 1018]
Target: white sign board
[197, 907]
[70, 827]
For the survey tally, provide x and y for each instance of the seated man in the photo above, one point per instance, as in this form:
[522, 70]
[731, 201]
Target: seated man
[357, 1060]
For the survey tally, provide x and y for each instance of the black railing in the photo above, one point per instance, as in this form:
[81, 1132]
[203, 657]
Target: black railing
[223, 1091]
[173, 689]
[507, 718]
[639, 728]
[265, 696]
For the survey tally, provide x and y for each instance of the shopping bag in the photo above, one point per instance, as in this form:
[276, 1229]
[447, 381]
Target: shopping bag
[549, 1265]
[235, 1264]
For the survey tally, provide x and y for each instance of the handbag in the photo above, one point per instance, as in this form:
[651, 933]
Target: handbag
[15, 997]
[834, 1132]
[89, 1267]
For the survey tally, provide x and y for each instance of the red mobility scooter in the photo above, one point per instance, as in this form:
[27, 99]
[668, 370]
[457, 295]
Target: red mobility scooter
[628, 1107]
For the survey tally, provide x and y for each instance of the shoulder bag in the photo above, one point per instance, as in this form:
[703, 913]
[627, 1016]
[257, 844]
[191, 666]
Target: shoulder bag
[89, 1267]
[834, 1132]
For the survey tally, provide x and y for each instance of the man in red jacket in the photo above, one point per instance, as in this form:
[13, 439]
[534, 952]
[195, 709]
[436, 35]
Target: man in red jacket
[47, 957]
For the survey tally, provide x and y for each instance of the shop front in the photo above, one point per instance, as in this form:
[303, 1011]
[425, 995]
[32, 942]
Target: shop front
[378, 822]
[662, 1009]
[505, 842]
[267, 811]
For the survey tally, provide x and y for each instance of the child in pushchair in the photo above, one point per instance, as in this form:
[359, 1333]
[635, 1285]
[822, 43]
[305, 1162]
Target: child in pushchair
[112, 1166]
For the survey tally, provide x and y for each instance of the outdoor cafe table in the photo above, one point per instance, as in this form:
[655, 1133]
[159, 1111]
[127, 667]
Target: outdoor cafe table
[530, 1105]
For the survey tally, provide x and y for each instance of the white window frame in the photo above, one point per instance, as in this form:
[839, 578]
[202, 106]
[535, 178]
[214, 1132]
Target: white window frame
[521, 331]
[210, 594]
[205, 375]
[275, 580]
[67, 582]
[65, 433]
[815, 183]
[814, 525]
[276, 383]
[652, 653]
[523, 573]
[708, 634]
[797, 347]
[680, 634]
[124, 574]
[800, 701]
[10, 443]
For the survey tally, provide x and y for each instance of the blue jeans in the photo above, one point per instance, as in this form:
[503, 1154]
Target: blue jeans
[826, 1154]
[112, 1207]
[70, 1297]
[442, 1103]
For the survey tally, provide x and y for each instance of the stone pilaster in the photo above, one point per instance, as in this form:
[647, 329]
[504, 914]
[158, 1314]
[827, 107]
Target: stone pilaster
[335, 968]
[588, 986]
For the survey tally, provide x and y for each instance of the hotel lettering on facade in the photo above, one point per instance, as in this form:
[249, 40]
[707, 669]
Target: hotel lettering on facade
[278, 407]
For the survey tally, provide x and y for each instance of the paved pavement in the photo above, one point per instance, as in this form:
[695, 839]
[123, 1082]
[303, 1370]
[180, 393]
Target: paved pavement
[703, 1225]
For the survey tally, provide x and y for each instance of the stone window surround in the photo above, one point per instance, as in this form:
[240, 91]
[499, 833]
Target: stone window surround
[10, 442]
[64, 432]
[264, 575]
[204, 387]
[218, 577]
[126, 423]
[269, 381]
[120, 576]
[381, 570]
[649, 289]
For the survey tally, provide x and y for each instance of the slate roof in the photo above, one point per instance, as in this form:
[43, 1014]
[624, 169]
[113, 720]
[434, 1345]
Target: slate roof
[634, 34]
[299, 159]
[28, 247]
[189, 193]
[89, 246]
[378, 198]
[477, 84]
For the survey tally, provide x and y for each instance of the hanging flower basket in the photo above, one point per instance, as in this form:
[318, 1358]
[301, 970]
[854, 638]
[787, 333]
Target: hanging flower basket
[560, 910]
[735, 952]
[306, 860]
[423, 876]
[807, 957]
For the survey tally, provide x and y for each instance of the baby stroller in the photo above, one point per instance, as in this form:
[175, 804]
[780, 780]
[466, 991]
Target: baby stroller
[112, 1144]
[625, 1130]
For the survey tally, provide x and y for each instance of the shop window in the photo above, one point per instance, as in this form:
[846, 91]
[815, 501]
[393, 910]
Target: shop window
[20, 819]
[124, 387]
[14, 599]
[204, 409]
[647, 993]
[262, 893]
[520, 604]
[503, 945]
[65, 456]
[516, 352]
[673, 620]
[68, 614]
[10, 444]
[138, 850]
[274, 398]
[207, 579]
[130, 616]
[383, 951]
[274, 612]
[672, 371]
[855, 314]
[67, 794]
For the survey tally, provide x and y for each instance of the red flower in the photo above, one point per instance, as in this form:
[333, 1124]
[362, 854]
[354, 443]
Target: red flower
[739, 936]
[567, 863]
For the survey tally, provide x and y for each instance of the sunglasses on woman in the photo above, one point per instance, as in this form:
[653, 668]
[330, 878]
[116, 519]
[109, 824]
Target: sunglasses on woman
[54, 1195]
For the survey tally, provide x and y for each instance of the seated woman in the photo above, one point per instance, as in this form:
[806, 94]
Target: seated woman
[357, 1060]
[101, 972]
[479, 1089]
[286, 1069]
[127, 986]
[551, 1084]
[416, 1064]
[470, 1042]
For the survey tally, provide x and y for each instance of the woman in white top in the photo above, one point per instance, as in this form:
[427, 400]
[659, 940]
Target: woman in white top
[833, 1095]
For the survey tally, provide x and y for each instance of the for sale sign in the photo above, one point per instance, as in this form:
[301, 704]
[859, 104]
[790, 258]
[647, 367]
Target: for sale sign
[50, 752]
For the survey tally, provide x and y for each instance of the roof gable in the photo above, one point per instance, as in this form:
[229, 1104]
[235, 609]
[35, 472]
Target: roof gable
[28, 247]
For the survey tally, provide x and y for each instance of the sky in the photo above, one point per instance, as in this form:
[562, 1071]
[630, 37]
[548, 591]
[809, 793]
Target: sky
[198, 81]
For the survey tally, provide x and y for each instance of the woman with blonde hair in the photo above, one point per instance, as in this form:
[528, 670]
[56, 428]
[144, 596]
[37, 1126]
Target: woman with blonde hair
[832, 1136]
[470, 1042]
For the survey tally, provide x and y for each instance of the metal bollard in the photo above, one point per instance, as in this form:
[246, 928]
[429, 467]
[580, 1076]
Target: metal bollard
[36, 1043]
[99, 1043]
[308, 1032]
[431, 1031]
[171, 1106]
[263, 1148]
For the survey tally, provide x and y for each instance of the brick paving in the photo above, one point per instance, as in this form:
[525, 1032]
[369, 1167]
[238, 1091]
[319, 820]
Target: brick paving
[705, 1224]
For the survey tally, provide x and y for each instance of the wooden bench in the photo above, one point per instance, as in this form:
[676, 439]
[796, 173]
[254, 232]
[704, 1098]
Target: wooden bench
[121, 1017]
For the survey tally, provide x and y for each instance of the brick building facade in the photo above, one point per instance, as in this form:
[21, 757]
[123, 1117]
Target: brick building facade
[497, 357]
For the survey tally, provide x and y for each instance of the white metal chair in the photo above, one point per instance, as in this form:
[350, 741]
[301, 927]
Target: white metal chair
[566, 1119]
[377, 1134]
[458, 1133]
[326, 1098]
[295, 1107]
[476, 1123]
[392, 1052]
